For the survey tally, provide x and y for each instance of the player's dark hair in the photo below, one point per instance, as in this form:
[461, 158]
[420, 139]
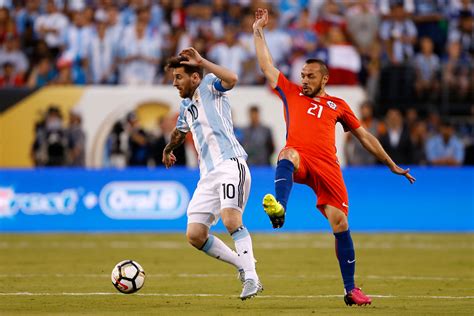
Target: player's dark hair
[321, 63]
[175, 62]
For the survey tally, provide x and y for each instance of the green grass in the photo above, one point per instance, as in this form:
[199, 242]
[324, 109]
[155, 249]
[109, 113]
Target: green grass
[297, 270]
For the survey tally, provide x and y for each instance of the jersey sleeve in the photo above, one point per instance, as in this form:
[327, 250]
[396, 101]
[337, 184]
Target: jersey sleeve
[214, 84]
[348, 119]
[181, 123]
[283, 86]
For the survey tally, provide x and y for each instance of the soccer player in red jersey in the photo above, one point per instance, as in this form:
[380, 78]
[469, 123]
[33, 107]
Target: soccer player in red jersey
[309, 156]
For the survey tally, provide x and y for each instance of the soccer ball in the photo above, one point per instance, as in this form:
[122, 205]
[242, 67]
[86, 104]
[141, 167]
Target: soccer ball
[128, 276]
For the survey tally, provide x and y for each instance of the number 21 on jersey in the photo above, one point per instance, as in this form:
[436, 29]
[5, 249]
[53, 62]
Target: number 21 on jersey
[316, 110]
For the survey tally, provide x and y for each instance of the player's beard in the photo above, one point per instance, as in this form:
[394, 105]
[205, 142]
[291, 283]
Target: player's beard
[314, 92]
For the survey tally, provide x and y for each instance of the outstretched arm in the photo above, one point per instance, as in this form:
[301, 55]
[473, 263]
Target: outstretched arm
[371, 143]
[177, 138]
[263, 54]
[228, 78]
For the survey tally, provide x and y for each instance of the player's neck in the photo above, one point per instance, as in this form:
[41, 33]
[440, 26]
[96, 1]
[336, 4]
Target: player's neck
[321, 93]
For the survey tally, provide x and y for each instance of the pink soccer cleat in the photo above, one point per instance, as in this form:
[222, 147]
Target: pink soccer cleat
[356, 296]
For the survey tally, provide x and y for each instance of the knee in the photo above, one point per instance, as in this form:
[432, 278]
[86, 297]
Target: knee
[291, 155]
[196, 238]
[231, 218]
[340, 224]
[232, 224]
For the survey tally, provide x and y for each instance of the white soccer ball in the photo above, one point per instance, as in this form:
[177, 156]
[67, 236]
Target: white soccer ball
[128, 276]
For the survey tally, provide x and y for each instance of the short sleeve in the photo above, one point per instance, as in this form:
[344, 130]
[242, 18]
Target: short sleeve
[284, 86]
[181, 123]
[214, 84]
[348, 119]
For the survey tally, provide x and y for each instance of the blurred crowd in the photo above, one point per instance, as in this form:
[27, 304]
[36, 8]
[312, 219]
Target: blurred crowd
[413, 140]
[411, 50]
[129, 144]
[56, 144]
[407, 138]
[414, 58]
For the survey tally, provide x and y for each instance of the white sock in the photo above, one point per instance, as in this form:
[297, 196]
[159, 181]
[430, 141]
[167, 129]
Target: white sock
[216, 248]
[243, 245]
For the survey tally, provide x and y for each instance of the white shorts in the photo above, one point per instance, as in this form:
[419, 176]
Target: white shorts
[227, 186]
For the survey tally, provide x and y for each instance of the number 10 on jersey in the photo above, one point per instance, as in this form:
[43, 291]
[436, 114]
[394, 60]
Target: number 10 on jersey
[316, 110]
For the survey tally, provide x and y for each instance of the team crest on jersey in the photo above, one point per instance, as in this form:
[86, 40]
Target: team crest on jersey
[332, 105]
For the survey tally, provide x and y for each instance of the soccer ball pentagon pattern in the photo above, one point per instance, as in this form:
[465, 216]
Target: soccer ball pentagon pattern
[128, 276]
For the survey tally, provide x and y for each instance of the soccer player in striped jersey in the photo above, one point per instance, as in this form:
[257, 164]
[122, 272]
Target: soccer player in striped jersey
[224, 185]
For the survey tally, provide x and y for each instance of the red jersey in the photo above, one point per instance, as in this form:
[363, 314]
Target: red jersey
[311, 123]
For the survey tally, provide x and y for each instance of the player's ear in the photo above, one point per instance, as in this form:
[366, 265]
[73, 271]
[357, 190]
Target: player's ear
[195, 77]
[325, 79]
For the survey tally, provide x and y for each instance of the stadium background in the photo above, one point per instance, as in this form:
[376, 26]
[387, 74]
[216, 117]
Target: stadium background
[100, 84]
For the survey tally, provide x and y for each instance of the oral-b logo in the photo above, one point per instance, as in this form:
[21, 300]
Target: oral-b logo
[144, 200]
[33, 203]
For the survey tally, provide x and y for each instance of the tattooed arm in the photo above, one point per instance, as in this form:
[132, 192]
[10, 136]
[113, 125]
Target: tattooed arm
[177, 138]
[372, 145]
[263, 54]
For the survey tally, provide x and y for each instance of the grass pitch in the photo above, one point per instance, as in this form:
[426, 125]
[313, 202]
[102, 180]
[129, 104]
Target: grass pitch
[407, 274]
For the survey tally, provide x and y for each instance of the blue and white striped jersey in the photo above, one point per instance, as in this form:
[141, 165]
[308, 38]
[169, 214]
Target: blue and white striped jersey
[208, 116]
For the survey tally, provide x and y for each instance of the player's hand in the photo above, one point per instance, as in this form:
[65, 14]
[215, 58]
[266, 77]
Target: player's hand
[403, 172]
[192, 56]
[261, 18]
[169, 159]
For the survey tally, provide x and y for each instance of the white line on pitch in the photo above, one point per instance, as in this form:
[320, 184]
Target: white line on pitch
[222, 295]
[226, 275]
[261, 245]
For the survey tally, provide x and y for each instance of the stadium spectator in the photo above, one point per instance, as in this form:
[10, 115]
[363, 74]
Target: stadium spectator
[77, 37]
[292, 10]
[101, 56]
[396, 139]
[138, 142]
[463, 33]
[343, 59]
[302, 36]
[363, 24]
[140, 51]
[456, 71]
[427, 67]
[330, 15]
[26, 16]
[419, 136]
[429, 21]
[257, 140]
[384, 6]
[229, 52]
[7, 24]
[371, 65]
[76, 141]
[42, 73]
[167, 124]
[456, 7]
[399, 35]
[50, 144]
[355, 153]
[445, 148]
[11, 53]
[117, 146]
[279, 42]
[252, 74]
[51, 27]
[115, 28]
[9, 77]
